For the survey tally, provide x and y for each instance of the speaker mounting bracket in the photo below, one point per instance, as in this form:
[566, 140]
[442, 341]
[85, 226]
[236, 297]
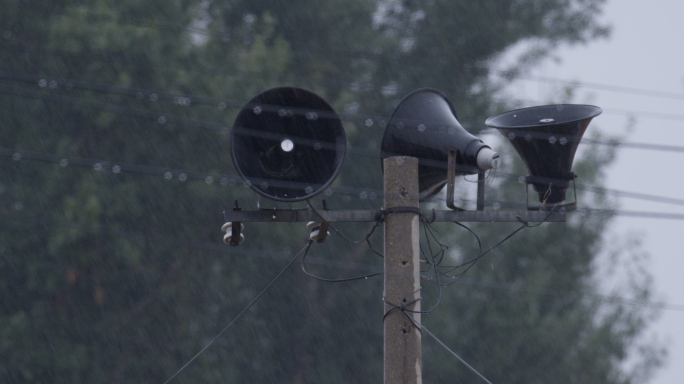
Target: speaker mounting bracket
[564, 207]
[451, 179]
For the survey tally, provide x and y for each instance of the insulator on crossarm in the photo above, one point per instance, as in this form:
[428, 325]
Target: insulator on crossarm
[231, 232]
[319, 231]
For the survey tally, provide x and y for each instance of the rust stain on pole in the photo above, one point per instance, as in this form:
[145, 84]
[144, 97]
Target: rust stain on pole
[402, 272]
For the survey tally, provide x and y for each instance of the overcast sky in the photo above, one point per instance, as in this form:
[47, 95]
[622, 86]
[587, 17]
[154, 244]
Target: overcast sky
[638, 73]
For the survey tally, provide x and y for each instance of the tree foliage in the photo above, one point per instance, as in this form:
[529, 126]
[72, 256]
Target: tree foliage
[115, 170]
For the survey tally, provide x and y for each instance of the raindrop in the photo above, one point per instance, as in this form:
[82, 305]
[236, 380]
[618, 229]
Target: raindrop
[399, 160]
[116, 169]
[563, 141]
[98, 167]
[552, 140]
[182, 100]
[7, 34]
[249, 18]
[363, 195]
[16, 156]
[496, 206]
[521, 179]
[312, 116]
[317, 146]
[64, 162]
[400, 125]
[283, 112]
[209, 180]
[69, 85]
[560, 107]
[225, 130]
[18, 206]
[182, 177]
[528, 137]
[421, 128]
[382, 124]
[42, 83]
[510, 135]
[154, 97]
[139, 95]
[224, 181]
[222, 105]
[257, 110]
[53, 84]
[168, 175]
[369, 123]
[328, 192]
[308, 190]
[263, 185]
[373, 195]
[161, 120]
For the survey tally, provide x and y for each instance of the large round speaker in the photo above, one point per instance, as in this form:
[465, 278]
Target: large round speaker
[424, 125]
[288, 144]
[546, 138]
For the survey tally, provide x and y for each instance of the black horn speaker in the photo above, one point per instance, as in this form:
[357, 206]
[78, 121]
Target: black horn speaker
[288, 144]
[546, 138]
[424, 125]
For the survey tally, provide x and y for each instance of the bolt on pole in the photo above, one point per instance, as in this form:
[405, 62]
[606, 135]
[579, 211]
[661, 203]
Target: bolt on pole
[402, 350]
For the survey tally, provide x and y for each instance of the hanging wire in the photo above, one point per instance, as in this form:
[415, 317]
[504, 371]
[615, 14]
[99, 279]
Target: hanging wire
[303, 250]
[365, 239]
[327, 280]
[421, 327]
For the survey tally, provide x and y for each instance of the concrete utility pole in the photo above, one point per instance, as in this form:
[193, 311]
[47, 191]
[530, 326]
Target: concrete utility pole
[402, 272]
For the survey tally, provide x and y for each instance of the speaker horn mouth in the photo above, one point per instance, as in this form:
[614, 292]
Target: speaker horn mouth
[424, 125]
[288, 144]
[546, 138]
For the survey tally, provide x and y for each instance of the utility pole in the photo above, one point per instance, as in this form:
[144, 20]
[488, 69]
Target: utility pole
[402, 356]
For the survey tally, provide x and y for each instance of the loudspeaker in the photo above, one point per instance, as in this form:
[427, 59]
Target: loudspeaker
[288, 144]
[424, 125]
[546, 138]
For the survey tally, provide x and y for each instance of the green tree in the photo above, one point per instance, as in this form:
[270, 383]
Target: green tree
[116, 168]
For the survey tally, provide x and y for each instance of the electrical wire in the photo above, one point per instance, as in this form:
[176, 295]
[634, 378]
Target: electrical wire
[422, 327]
[305, 249]
[327, 280]
[228, 180]
[186, 100]
[605, 87]
[470, 263]
[365, 239]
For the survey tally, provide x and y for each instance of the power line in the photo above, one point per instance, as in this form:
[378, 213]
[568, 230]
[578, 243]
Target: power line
[164, 118]
[605, 87]
[114, 167]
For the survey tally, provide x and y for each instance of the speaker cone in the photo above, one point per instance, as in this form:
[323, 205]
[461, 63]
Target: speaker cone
[288, 144]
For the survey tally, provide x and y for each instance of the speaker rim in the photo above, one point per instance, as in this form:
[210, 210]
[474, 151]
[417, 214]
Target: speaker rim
[341, 144]
[595, 112]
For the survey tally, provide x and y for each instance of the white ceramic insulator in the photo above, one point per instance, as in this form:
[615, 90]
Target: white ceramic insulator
[228, 229]
[488, 159]
[315, 227]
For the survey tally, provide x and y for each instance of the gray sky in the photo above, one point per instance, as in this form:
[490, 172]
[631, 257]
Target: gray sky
[643, 53]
